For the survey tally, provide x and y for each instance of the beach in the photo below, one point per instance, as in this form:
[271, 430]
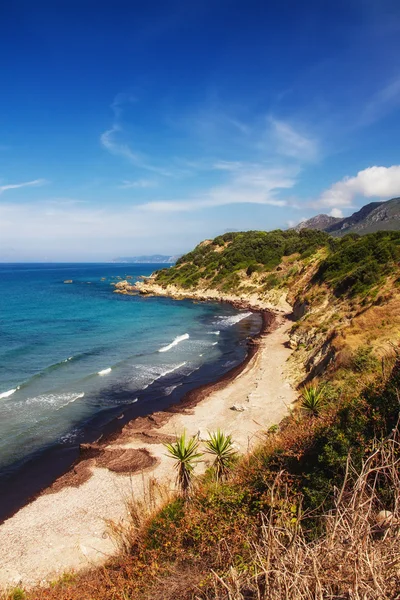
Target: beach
[68, 526]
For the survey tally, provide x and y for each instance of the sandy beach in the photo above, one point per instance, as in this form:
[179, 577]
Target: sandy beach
[67, 527]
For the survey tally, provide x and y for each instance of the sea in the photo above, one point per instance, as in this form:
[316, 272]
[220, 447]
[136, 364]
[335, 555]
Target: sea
[77, 361]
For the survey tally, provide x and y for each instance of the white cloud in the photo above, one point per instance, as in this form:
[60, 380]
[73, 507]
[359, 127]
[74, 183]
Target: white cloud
[292, 143]
[15, 186]
[378, 182]
[337, 213]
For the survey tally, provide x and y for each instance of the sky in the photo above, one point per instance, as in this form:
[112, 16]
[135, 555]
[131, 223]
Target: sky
[133, 127]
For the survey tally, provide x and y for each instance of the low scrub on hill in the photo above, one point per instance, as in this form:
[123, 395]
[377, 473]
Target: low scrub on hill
[351, 265]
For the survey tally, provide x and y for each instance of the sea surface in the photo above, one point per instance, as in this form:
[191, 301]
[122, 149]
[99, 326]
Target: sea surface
[76, 359]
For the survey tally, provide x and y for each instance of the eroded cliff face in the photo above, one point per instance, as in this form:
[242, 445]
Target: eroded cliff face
[275, 300]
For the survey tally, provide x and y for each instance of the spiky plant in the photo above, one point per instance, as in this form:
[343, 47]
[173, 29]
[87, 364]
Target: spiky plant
[313, 399]
[221, 447]
[185, 453]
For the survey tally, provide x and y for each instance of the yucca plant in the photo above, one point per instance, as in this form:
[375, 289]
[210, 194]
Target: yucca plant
[221, 447]
[313, 399]
[185, 453]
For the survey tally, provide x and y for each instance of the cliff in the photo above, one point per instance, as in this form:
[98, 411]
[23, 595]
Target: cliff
[330, 288]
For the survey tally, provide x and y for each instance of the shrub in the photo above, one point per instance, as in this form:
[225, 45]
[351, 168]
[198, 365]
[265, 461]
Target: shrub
[313, 400]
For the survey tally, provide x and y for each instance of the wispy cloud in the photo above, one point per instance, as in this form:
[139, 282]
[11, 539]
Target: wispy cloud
[382, 103]
[236, 162]
[373, 182]
[15, 186]
[247, 184]
[291, 142]
[110, 140]
[138, 184]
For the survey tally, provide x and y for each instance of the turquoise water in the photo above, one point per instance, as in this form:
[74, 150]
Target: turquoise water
[74, 357]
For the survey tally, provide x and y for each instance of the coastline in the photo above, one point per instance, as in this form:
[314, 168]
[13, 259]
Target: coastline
[68, 519]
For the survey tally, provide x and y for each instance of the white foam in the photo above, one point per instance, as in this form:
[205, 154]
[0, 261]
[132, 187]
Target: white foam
[105, 371]
[164, 373]
[9, 393]
[168, 371]
[176, 341]
[68, 359]
[233, 319]
[69, 398]
[56, 400]
[171, 388]
[214, 344]
[214, 332]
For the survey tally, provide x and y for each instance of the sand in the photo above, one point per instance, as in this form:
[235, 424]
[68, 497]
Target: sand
[67, 527]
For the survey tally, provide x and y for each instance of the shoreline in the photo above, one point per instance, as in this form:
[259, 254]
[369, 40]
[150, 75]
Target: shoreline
[71, 457]
[60, 464]
[78, 473]
[118, 463]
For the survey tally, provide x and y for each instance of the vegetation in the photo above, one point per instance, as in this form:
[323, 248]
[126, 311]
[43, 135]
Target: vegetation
[185, 453]
[220, 446]
[296, 519]
[219, 260]
[350, 266]
[360, 262]
[313, 399]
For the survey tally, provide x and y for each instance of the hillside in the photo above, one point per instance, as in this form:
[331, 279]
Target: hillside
[375, 216]
[313, 510]
[334, 286]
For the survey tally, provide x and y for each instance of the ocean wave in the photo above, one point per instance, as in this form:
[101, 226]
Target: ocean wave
[163, 374]
[168, 390]
[9, 393]
[176, 341]
[213, 332]
[58, 401]
[48, 369]
[233, 319]
[105, 371]
[214, 344]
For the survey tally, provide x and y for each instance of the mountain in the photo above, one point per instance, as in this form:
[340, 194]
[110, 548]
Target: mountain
[375, 216]
[153, 258]
[320, 222]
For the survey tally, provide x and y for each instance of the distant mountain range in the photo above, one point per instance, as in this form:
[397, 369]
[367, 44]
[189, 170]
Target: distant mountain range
[153, 258]
[372, 217]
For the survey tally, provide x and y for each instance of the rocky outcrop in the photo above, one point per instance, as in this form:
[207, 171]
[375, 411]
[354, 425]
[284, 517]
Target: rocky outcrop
[124, 287]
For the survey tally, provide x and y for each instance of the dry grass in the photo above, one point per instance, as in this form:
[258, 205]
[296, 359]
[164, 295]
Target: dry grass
[357, 558]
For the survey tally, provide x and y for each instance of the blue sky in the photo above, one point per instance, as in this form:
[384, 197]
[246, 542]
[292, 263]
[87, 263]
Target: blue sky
[133, 127]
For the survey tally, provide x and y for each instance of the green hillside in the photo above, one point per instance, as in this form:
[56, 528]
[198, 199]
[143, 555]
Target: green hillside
[352, 264]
